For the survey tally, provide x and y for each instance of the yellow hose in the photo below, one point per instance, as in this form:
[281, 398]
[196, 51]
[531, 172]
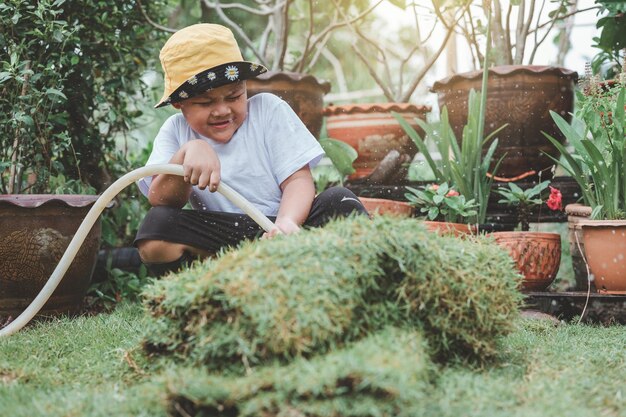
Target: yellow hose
[92, 216]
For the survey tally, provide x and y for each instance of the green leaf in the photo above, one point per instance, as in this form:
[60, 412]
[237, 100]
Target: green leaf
[421, 146]
[55, 92]
[4, 76]
[340, 153]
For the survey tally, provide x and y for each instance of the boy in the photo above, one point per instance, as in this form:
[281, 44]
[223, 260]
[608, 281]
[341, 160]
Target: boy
[259, 147]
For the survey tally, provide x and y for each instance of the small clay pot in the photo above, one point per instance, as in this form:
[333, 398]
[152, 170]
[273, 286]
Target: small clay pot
[537, 256]
[449, 228]
[605, 250]
[381, 206]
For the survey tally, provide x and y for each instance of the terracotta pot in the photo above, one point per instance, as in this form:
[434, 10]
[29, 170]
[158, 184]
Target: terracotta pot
[522, 96]
[304, 93]
[381, 206]
[605, 249]
[35, 230]
[576, 213]
[448, 228]
[537, 256]
[373, 132]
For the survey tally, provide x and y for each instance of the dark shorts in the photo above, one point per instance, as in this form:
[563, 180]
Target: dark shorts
[211, 231]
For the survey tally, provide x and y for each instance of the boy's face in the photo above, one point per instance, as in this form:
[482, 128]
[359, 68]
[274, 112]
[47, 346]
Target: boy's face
[217, 113]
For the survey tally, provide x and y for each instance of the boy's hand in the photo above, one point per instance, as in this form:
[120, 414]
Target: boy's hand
[201, 165]
[283, 226]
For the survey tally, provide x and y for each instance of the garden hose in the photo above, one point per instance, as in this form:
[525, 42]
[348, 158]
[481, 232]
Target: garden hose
[92, 216]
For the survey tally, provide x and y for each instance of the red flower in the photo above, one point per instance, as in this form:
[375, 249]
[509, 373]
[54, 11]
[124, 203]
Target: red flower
[452, 193]
[555, 201]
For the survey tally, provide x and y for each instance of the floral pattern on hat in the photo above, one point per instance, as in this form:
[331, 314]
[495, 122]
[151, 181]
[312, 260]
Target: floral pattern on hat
[193, 80]
[211, 76]
[232, 73]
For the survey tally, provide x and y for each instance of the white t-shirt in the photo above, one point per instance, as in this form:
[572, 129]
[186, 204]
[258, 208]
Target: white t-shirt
[271, 144]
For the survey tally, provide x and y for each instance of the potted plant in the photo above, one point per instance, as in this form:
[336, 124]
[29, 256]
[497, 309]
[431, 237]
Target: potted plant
[445, 210]
[288, 38]
[397, 69]
[68, 82]
[536, 254]
[464, 164]
[598, 164]
[520, 93]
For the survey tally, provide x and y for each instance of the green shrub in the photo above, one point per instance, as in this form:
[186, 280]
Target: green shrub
[70, 77]
[305, 293]
[385, 374]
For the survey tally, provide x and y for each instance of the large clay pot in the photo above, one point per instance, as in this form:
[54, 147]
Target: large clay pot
[372, 131]
[382, 206]
[577, 213]
[35, 230]
[605, 249]
[522, 96]
[304, 93]
[537, 256]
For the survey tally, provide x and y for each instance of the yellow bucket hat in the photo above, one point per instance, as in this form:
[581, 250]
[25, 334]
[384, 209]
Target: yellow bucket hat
[199, 58]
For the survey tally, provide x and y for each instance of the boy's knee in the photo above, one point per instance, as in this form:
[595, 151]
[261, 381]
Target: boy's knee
[342, 200]
[159, 251]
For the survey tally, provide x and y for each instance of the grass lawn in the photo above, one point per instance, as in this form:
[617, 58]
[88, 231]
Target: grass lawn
[93, 366]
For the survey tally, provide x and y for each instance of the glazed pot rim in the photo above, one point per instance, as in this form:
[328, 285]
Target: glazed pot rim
[358, 108]
[600, 223]
[295, 76]
[38, 200]
[384, 200]
[506, 70]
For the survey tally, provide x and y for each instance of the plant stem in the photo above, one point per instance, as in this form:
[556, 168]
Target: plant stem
[14, 173]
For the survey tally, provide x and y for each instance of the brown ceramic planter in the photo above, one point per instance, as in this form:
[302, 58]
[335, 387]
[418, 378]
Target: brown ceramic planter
[522, 96]
[35, 230]
[605, 249]
[537, 256]
[304, 93]
[381, 206]
[448, 228]
[576, 213]
[373, 132]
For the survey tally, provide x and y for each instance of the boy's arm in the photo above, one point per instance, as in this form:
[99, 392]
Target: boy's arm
[295, 204]
[201, 167]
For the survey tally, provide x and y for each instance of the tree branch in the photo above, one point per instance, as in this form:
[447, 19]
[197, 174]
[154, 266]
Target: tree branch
[323, 35]
[263, 11]
[151, 22]
[217, 7]
[282, 35]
